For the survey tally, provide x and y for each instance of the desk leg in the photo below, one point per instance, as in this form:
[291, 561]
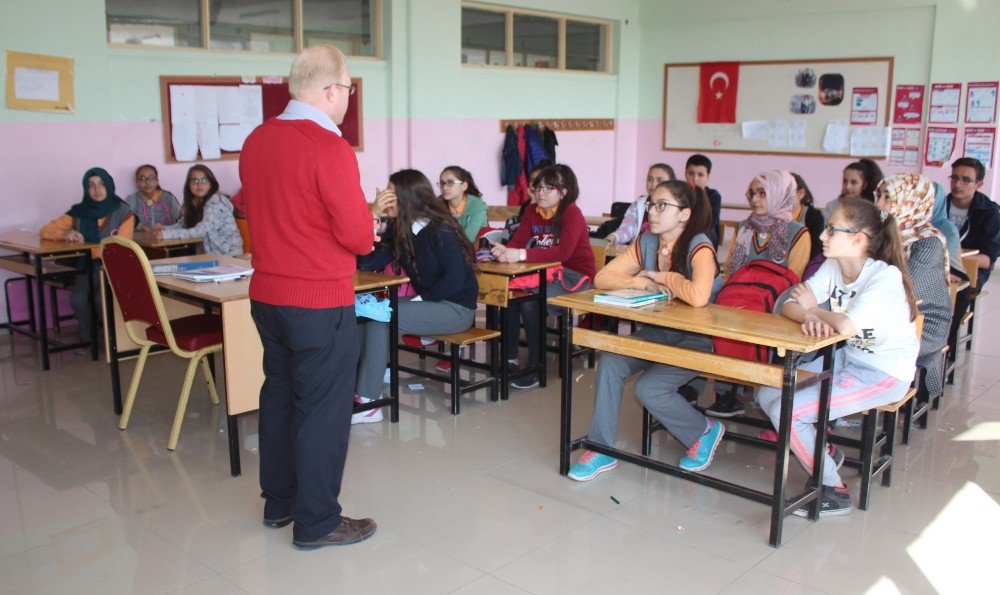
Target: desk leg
[823, 417]
[43, 326]
[501, 317]
[565, 338]
[91, 305]
[233, 430]
[31, 304]
[394, 354]
[781, 458]
[543, 311]
[109, 325]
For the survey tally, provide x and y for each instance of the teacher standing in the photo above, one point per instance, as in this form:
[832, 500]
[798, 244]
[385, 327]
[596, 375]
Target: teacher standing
[308, 220]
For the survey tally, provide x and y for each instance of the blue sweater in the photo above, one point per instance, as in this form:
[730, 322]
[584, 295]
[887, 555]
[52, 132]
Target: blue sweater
[443, 272]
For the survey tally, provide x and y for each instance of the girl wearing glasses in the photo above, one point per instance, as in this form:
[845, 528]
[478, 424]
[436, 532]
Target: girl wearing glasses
[552, 230]
[865, 284]
[151, 204]
[909, 199]
[675, 255]
[464, 199]
[634, 222]
[770, 233]
[206, 213]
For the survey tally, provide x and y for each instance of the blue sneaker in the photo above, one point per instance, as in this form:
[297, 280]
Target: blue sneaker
[699, 456]
[590, 465]
[366, 305]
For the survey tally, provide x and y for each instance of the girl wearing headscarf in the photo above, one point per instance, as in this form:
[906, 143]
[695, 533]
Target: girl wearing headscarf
[939, 219]
[909, 199]
[100, 214]
[769, 233]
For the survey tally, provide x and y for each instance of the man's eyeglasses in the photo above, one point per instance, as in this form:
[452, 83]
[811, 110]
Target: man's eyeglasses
[830, 228]
[963, 179]
[351, 89]
[660, 206]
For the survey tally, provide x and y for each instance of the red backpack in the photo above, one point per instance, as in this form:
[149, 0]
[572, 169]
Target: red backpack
[756, 286]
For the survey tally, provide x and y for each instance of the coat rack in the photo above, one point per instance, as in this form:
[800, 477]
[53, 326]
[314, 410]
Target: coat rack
[563, 124]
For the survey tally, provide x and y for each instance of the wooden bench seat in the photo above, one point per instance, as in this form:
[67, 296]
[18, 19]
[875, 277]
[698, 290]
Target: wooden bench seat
[468, 336]
[16, 264]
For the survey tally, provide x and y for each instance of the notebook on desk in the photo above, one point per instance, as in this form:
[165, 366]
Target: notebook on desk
[180, 267]
[630, 298]
[226, 272]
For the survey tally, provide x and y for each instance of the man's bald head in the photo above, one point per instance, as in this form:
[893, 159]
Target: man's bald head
[314, 68]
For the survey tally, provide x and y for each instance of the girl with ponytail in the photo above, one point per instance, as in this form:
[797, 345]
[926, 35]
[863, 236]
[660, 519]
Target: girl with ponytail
[863, 290]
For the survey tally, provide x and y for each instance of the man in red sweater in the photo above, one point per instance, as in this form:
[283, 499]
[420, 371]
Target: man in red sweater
[308, 220]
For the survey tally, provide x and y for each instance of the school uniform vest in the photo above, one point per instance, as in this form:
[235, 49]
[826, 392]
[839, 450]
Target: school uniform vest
[649, 248]
[112, 222]
[760, 252]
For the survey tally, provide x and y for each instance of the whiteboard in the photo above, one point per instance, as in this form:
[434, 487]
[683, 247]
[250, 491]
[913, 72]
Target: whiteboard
[766, 92]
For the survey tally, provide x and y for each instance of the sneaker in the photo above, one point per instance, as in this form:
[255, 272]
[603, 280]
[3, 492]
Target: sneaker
[372, 416]
[699, 456]
[836, 454]
[769, 435]
[415, 341]
[368, 306]
[726, 405]
[443, 366]
[590, 465]
[833, 502]
[525, 382]
[689, 393]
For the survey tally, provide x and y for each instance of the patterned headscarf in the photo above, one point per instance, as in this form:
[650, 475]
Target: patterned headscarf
[779, 188]
[911, 203]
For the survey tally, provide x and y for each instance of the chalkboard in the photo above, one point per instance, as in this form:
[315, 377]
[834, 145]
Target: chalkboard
[809, 94]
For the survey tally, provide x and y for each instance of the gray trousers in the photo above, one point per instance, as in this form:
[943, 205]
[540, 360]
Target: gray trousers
[415, 318]
[78, 300]
[656, 389]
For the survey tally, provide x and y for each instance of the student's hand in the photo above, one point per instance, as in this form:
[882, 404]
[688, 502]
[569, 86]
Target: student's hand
[954, 279]
[157, 227]
[72, 235]
[657, 287]
[814, 326]
[384, 201]
[611, 239]
[646, 274]
[158, 232]
[804, 296]
[508, 255]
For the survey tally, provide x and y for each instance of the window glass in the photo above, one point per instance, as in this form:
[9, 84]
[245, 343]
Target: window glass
[584, 46]
[536, 41]
[484, 37]
[254, 25]
[154, 22]
[346, 24]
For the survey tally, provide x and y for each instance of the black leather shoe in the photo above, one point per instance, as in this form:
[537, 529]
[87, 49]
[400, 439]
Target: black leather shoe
[349, 531]
[277, 523]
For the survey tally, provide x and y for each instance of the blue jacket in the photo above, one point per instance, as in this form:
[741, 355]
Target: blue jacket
[981, 230]
[534, 148]
[442, 273]
[512, 167]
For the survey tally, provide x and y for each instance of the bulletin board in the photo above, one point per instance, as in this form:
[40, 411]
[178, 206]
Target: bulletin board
[40, 83]
[274, 97]
[770, 91]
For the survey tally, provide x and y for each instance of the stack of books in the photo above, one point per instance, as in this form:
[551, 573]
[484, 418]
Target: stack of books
[630, 298]
[180, 267]
[226, 272]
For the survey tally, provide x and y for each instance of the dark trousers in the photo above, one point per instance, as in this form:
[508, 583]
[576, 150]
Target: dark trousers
[962, 301]
[310, 362]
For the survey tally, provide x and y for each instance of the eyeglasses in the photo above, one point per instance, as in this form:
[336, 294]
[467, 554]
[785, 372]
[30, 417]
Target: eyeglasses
[830, 228]
[147, 178]
[351, 89]
[660, 206]
[448, 183]
[199, 181]
[543, 189]
[962, 179]
[760, 193]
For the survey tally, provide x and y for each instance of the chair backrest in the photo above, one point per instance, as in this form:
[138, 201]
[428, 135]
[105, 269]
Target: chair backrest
[494, 290]
[600, 256]
[134, 287]
[971, 265]
[244, 227]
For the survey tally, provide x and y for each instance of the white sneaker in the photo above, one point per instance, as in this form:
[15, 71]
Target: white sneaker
[387, 377]
[372, 416]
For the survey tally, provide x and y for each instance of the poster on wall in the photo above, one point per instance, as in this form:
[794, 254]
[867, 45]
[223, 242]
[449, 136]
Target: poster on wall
[979, 144]
[909, 104]
[945, 99]
[981, 103]
[904, 147]
[940, 145]
[864, 106]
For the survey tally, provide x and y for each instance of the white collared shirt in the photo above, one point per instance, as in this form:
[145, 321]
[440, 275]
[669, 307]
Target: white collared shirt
[300, 110]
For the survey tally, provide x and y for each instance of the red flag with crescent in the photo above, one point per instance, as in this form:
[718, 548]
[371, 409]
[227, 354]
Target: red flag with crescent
[717, 97]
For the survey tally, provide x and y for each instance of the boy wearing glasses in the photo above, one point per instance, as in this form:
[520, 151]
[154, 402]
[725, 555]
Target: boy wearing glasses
[977, 219]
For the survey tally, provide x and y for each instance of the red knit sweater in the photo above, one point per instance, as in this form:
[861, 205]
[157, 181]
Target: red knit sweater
[306, 212]
[573, 249]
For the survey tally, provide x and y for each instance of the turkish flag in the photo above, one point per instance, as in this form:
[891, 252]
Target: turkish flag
[717, 97]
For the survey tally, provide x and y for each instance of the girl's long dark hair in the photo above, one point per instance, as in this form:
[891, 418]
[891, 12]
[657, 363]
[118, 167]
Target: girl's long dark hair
[560, 176]
[416, 200]
[463, 175]
[871, 174]
[801, 185]
[193, 208]
[700, 221]
[884, 242]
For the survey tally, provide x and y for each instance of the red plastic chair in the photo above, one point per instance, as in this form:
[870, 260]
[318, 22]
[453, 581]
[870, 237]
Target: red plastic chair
[146, 322]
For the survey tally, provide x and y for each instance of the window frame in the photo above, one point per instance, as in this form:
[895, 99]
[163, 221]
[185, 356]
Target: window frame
[298, 34]
[509, 12]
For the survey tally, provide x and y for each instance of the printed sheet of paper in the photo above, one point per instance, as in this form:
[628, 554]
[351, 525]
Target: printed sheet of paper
[184, 139]
[755, 129]
[36, 83]
[208, 139]
[869, 141]
[777, 133]
[864, 106]
[940, 145]
[182, 104]
[230, 105]
[797, 134]
[979, 144]
[232, 136]
[835, 140]
[945, 99]
[981, 103]
[909, 105]
[252, 105]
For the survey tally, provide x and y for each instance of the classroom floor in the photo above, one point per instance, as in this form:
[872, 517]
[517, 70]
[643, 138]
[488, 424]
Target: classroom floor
[467, 504]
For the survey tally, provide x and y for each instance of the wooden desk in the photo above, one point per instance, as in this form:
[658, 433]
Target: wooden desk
[155, 248]
[718, 321]
[502, 212]
[34, 259]
[612, 251]
[242, 347]
[496, 319]
[597, 221]
[969, 252]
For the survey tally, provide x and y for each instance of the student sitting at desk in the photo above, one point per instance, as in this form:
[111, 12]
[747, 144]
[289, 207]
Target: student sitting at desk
[864, 279]
[697, 170]
[100, 214]
[151, 204]
[553, 230]
[634, 221]
[675, 255]
[464, 199]
[860, 180]
[909, 199]
[441, 264]
[206, 214]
